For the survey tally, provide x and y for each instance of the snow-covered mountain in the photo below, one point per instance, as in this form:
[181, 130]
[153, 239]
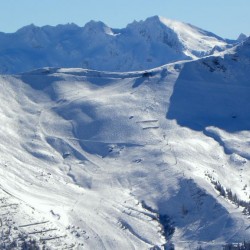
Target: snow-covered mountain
[242, 37]
[141, 45]
[140, 160]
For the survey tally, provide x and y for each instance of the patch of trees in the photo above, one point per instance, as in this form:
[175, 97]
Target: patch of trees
[227, 193]
[238, 246]
[147, 74]
[216, 65]
[23, 243]
[167, 225]
[233, 246]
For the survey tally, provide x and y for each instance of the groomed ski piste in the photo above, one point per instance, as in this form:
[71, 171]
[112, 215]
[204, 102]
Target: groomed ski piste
[101, 160]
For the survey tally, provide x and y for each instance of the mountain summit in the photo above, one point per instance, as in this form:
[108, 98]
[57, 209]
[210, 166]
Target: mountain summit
[242, 37]
[141, 45]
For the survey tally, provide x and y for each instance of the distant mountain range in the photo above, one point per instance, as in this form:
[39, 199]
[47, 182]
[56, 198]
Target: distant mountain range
[141, 45]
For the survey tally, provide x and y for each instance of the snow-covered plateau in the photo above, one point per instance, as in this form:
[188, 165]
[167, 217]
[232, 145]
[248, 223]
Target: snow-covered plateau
[146, 159]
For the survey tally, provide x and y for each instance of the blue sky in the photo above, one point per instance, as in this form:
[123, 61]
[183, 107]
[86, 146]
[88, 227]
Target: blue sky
[226, 18]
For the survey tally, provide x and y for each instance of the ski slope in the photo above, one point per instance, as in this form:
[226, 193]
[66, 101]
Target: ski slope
[103, 160]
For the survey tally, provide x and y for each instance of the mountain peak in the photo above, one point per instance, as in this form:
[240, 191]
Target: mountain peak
[155, 19]
[242, 37]
[27, 28]
[94, 27]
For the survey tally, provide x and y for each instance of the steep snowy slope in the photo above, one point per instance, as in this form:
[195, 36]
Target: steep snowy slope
[222, 82]
[123, 160]
[141, 45]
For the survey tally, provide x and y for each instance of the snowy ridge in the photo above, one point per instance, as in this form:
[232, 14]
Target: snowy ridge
[141, 45]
